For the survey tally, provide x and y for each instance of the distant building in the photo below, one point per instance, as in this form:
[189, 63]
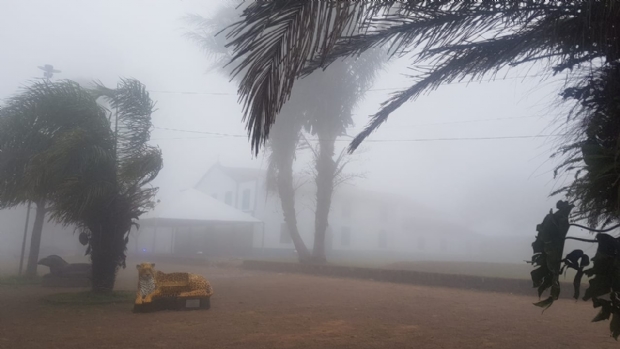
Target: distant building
[359, 220]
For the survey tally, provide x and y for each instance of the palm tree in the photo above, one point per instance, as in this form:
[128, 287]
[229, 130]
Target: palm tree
[90, 163]
[322, 103]
[278, 42]
[338, 91]
[284, 147]
[25, 133]
[453, 40]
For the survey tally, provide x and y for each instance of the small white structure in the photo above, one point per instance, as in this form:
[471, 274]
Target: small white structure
[195, 223]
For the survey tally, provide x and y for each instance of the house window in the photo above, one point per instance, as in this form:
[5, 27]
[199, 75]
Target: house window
[285, 236]
[245, 201]
[383, 239]
[345, 236]
[228, 198]
[346, 210]
[421, 243]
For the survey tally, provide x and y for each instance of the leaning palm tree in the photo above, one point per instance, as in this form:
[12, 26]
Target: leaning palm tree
[95, 164]
[283, 147]
[322, 103]
[451, 40]
[460, 40]
[30, 123]
[278, 42]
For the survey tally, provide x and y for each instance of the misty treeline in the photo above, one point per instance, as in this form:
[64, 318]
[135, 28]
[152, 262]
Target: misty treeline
[275, 46]
[320, 106]
[82, 163]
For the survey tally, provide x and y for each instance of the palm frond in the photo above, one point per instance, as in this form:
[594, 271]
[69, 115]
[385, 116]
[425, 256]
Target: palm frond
[31, 122]
[141, 168]
[273, 43]
[567, 33]
[132, 108]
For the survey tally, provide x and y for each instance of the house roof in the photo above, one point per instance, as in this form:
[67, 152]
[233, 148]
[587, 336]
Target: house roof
[193, 205]
[240, 174]
[237, 174]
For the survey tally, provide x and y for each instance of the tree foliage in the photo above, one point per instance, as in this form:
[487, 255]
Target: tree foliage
[279, 41]
[90, 163]
[321, 104]
[604, 275]
[457, 39]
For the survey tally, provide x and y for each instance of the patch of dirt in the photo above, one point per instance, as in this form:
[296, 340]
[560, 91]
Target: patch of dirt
[271, 310]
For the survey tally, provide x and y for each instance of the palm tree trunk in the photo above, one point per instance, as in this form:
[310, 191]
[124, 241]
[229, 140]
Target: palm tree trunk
[107, 250]
[35, 240]
[104, 267]
[286, 192]
[325, 172]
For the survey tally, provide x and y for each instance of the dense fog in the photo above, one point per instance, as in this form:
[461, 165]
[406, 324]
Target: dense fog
[462, 173]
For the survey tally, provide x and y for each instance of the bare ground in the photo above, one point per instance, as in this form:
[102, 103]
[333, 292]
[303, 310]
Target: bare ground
[269, 310]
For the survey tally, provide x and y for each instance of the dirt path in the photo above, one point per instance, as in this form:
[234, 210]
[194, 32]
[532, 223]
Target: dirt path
[268, 310]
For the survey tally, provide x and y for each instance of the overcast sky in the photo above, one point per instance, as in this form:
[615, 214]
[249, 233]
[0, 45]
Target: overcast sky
[497, 187]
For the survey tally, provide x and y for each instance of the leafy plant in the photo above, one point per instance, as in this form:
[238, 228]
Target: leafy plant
[604, 283]
[90, 163]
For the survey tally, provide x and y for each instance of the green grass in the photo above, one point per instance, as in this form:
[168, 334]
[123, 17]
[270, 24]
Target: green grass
[16, 280]
[89, 298]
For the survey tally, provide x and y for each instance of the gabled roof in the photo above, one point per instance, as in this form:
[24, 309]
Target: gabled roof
[237, 174]
[240, 174]
[193, 205]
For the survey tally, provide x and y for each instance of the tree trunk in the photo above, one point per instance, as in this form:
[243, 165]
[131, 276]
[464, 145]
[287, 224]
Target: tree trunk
[35, 240]
[107, 254]
[104, 266]
[286, 191]
[325, 172]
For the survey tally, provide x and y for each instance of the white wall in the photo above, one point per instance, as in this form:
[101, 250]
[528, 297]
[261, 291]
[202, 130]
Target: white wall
[149, 240]
[215, 183]
[368, 218]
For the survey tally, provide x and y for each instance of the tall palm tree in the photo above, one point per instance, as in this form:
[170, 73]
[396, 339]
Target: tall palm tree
[283, 147]
[29, 123]
[452, 40]
[278, 42]
[338, 91]
[90, 163]
[322, 103]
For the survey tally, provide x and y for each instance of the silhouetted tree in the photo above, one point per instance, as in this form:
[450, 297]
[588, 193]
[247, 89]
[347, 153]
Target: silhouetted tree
[283, 148]
[322, 103]
[462, 40]
[89, 163]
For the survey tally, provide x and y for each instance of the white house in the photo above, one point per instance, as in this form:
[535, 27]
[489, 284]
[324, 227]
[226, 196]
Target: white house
[359, 221]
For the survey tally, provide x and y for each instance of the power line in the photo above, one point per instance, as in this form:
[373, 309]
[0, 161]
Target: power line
[369, 140]
[468, 121]
[200, 132]
[409, 126]
[373, 89]
[193, 93]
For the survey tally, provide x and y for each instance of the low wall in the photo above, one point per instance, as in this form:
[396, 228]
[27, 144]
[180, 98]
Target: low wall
[468, 282]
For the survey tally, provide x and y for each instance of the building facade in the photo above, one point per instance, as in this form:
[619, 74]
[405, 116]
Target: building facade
[359, 220]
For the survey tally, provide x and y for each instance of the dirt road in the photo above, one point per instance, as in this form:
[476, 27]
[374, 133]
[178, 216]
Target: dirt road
[268, 310]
